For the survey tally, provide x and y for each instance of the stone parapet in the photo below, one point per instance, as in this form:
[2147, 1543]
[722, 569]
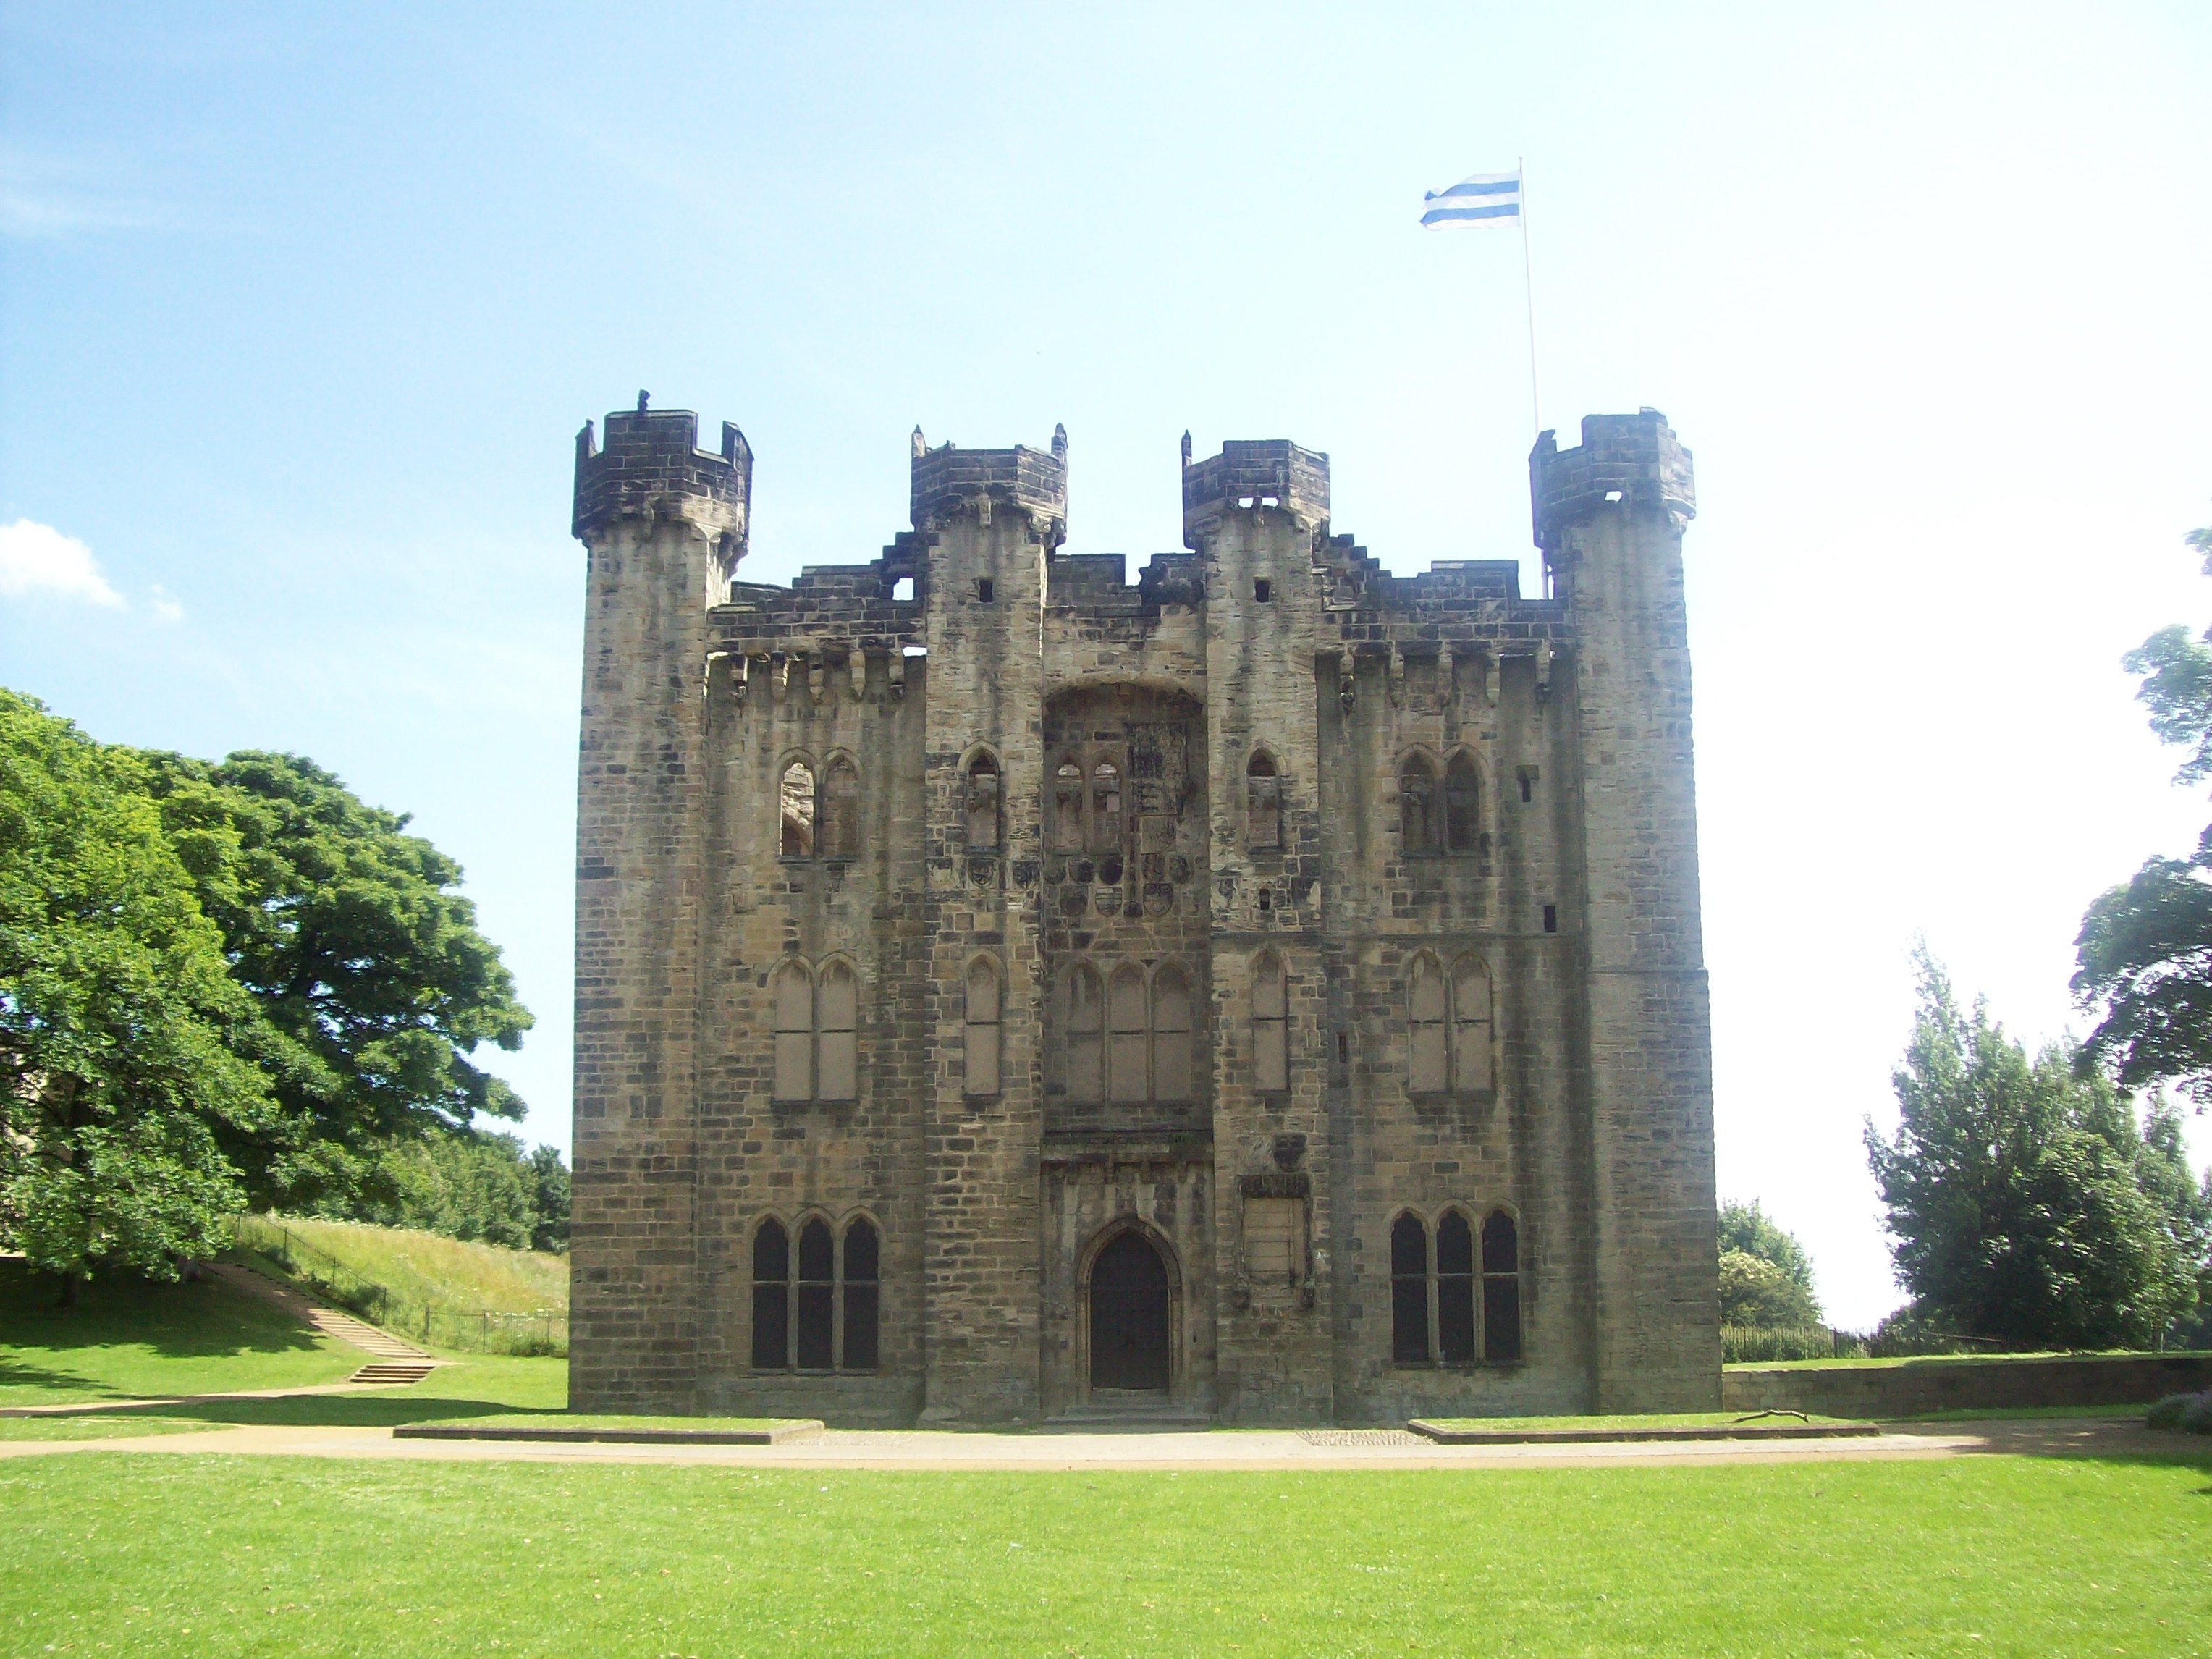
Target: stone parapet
[1253, 473]
[947, 478]
[653, 467]
[1631, 460]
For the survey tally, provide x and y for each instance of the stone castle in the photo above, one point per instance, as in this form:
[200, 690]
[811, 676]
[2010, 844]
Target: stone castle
[1269, 992]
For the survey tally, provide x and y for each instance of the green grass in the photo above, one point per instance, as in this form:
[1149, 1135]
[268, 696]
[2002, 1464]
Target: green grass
[218, 1556]
[129, 1338]
[1951, 1359]
[561, 1420]
[1645, 1420]
[96, 1425]
[425, 1269]
[478, 1385]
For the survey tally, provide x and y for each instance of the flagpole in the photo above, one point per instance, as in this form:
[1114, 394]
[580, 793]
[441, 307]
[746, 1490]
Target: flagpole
[1528, 295]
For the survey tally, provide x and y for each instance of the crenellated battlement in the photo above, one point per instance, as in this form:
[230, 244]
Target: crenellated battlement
[947, 478]
[1634, 461]
[653, 467]
[1252, 473]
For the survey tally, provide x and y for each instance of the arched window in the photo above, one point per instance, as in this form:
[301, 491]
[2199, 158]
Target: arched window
[817, 1296]
[1470, 1042]
[1125, 1035]
[1426, 1069]
[980, 1046]
[1417, 806]
[1083, 1028]
[794, 1033]
[1271, 1009]
[1171, 1036]
[841, 810]
[1106, 808]
[798, 808]
[839, 1061]
[1067, 808]
[862, 1269]
[1263, 805]
[1462, 798]
[1501, 1289]
[1409, 1290]
[771, 1298]
[1455, 1289]
[983, 805]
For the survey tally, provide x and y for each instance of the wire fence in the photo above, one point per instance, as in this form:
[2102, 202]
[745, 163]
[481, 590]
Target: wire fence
[445, 1325]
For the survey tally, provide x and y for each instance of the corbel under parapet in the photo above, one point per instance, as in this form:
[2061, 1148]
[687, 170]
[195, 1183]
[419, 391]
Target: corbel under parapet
[1447, 676]
[1347, 680]
[1397, 676]
[856, 673]
[1543, 670]
[816, 676]
[1491, 675]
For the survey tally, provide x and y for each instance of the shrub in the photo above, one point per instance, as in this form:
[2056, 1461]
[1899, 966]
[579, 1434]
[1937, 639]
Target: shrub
[2191, 1413]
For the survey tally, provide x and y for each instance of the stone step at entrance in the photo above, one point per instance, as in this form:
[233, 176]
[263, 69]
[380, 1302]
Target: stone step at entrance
[1108, 1409]
[399, 1371]
[331, 1321]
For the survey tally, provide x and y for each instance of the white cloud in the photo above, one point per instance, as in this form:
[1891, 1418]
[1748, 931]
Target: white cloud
[167, 607]
[37, 561]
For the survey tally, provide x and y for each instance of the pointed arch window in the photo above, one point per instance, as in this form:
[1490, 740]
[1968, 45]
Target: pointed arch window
[838, 1051]
[817, 1296]
[1171, 1036]
[1419, 824]
[980, 1043]
[1455, 1289]
[1125, 1035]
[1470, 1038]
[983, 805]
[1501, 1289]
[1427, 1070]
[1106, 808]
[794, 1033]
[1271, 1046]
[840, 837]
[1409, 1290]
[863, 1268]
[771, 1298]
[1263, 805]
[1463, 803]
[1084, 1029]
[796, 837]
[1067, 808]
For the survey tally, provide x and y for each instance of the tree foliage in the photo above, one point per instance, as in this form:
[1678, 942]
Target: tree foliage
[2024, 1202]
[127, 1053]
[473, 1185]
[1766, 1278]
[2145, 949]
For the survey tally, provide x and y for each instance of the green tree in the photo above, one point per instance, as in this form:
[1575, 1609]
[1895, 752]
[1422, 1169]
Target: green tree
[2145, 949]
[550, 1176]
[2022, 1195]
[126, 1051]
[350, 936]
[1766, 1278]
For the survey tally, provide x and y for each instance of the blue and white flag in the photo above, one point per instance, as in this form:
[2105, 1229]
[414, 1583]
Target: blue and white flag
[1483, 198]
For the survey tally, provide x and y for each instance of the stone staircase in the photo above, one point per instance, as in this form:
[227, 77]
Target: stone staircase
[394, 1361]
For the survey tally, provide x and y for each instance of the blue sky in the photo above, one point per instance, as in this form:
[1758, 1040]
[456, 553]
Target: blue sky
[300, 310]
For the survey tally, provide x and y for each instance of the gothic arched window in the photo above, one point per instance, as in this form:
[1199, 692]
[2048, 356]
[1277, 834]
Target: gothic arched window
[1271, 1046]
[1067, 808]
[796, 839]
[1455, 1289]
[1171, 1036]
[838, 1076]
[1462, 800]
[1125, 1035]
[1409, 1290]
[980, 1043]
[1427, 1068]
[1106, 808]
[1471, 1025]
[1501, 1289]
[983, 805]
[771, 1298]
[840, 837]
[817, 1296]
[794, 1032]
[1263, 805]
[1418, 824]
[1083, 1028]
[863, 1268]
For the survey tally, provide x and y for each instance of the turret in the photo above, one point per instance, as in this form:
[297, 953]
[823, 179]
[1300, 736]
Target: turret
[653, 470]
[1271, 472]
[1630, 462]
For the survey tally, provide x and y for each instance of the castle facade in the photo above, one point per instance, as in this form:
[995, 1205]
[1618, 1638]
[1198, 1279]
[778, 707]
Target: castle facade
[1271, 991]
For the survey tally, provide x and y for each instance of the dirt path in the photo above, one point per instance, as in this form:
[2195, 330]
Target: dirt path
[1275, 1449]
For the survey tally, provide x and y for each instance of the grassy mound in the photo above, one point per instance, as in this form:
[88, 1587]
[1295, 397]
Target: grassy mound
[423, 1269]
[128, 1338]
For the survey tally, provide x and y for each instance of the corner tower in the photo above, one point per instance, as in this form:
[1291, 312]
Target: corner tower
[1609, 517]
[664, 524]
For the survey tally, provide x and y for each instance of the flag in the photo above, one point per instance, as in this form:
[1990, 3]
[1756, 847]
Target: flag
[1483, 198]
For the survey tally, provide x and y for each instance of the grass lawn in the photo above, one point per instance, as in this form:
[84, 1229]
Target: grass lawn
[1946, 1359]
[158, 1555]
[93, 1425]
[425, 1269]
[472, 1385]
[1646, 1420]
[128, 1337]
[561, 1420]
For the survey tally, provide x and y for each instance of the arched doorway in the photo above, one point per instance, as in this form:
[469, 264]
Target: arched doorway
[1129, 1322]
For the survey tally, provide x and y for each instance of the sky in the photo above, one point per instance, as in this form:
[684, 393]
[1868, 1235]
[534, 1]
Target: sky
[300, 309]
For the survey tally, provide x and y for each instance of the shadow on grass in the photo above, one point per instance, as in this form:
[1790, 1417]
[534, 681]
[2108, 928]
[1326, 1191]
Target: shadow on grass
[329, 1411]
[205, 1319]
